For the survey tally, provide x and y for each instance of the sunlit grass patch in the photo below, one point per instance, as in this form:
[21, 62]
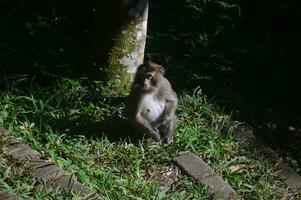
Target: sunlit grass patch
[47, 120]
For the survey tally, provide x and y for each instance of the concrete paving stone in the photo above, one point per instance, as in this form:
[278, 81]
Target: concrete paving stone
[246, 135]
[292, 178]
[3, 132]
[44, 169]
[20, 152]
[38, 163]
[48, 173]
[10, 196]
[202, 173]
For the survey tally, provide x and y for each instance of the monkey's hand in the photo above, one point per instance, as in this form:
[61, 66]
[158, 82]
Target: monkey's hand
[167, 139]
[155, 134]
[166, 121]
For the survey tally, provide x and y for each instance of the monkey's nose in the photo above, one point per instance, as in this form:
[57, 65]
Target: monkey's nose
[145, 86]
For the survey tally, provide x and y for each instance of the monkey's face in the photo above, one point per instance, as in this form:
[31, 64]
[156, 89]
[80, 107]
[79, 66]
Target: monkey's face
[147, 82]
[148, 76]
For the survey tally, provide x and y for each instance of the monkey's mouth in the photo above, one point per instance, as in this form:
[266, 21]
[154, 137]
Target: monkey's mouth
[146, 89]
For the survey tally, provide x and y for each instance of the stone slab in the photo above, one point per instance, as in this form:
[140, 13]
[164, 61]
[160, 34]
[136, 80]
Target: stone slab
[42, 169]
[20, 152]
[9, 196]
[246, 135]
[291, 177]
[3, 132]
[202, 173]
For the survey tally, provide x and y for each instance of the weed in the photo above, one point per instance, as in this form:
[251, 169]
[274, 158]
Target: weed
[122, 168]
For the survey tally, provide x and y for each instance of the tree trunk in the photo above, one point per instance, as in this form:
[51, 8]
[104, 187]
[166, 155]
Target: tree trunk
[120, 40]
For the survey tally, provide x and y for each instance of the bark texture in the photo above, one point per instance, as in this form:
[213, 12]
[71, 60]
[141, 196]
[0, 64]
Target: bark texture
[121, 38]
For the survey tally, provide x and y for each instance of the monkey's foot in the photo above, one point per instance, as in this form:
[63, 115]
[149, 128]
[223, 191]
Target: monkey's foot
[167, 139]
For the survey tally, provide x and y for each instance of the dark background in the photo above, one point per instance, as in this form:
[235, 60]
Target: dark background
[246, 57]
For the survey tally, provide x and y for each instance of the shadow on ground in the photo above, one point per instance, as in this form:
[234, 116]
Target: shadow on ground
[115, 129]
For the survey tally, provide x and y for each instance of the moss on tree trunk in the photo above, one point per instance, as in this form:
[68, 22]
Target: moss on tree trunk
[127, 28]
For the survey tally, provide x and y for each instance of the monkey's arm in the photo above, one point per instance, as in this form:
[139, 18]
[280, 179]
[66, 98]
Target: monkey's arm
[170, 107]
[144, 125]
[132, 113]
[167, 123]
[170, 98]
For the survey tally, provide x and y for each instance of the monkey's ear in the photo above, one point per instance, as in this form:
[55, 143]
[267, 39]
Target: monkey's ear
[162, 70]
[147, 62]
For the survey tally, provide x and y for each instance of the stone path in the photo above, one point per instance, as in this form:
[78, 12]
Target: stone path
[42, 169]
[218, 188]
[202, 173]
[9, 196]
[189, 162]
[291, 177]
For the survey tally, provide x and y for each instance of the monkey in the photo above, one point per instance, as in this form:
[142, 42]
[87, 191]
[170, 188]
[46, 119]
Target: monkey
[152, 103]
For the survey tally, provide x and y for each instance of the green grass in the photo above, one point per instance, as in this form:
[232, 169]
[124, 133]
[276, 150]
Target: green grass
[17, 179]
[47, 119]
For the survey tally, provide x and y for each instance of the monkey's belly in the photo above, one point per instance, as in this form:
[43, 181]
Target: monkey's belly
[152, 108]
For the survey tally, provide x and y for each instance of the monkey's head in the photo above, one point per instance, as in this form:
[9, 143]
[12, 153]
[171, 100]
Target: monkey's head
[148, 76]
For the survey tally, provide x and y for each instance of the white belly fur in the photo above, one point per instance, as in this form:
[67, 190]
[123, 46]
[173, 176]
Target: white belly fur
[152, 108]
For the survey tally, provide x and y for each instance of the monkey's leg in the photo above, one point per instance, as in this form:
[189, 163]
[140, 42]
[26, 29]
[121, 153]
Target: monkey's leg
[167, 129]
[143, 125]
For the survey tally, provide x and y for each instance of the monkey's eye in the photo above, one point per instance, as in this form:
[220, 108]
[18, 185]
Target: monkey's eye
[149, 76]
